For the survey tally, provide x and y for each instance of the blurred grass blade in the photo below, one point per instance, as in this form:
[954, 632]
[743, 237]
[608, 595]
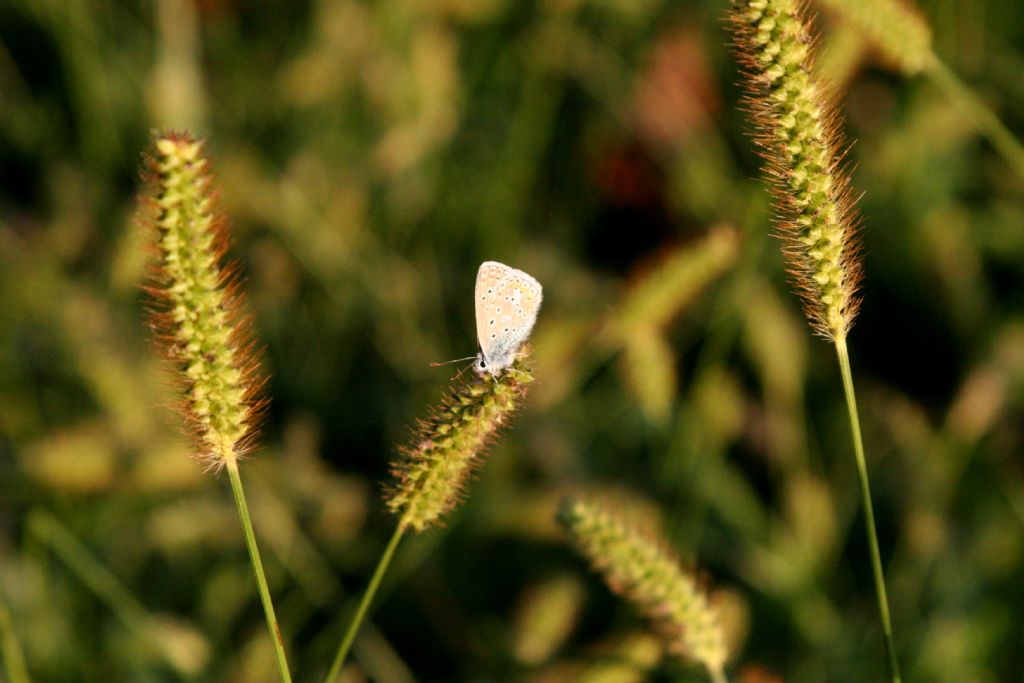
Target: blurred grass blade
[657, 295]
[987, 123]
[14, 660]
[148, 628]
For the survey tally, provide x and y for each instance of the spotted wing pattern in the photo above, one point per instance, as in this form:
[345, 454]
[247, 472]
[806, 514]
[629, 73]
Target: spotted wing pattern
[507, 301]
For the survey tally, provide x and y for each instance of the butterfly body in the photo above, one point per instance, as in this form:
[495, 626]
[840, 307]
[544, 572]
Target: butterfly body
[506, 301]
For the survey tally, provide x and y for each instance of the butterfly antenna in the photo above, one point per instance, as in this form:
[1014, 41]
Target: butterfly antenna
[459, 373]
[449, 362]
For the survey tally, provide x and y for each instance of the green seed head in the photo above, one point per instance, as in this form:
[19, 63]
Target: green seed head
[638, 567]
[798, 132]
[430, 476]
[195, 310]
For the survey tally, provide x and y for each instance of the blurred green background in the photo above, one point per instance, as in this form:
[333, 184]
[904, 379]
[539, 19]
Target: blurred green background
[371, 155]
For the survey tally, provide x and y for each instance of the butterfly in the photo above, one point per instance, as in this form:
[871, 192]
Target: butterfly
[506, 302]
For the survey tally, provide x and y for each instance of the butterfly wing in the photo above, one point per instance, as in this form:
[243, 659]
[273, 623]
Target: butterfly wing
[507, 302]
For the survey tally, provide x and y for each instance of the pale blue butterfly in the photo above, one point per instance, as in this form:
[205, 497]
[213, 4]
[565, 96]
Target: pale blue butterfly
[506, 301]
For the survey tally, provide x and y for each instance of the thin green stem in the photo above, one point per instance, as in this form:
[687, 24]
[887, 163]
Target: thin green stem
[987, 122]
[14, 660]
[869, 513]
[257, 569]
[364, 604]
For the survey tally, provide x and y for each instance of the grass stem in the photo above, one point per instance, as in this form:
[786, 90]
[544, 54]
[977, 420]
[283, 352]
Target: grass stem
[364, 605]
[869, 513]
[987, 123]
[257, 569]
[10, 648]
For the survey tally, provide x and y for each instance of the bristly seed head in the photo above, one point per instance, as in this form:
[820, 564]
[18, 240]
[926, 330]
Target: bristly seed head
[430, 476]
[195, 309]
[799, 134]
[637, 566]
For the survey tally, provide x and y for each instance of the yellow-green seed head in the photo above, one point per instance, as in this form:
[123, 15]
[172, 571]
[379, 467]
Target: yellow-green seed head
[798, 132]
[648, 365]
[430, 476]
[638, 567]
[894, 28]
[195, 310]
[657, 294]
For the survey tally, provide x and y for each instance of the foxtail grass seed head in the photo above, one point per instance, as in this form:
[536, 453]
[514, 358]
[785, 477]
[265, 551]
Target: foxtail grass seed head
[430, 476]
[661, 291]
[799, 134]
[896, 29]
[547, 614]
[637, 566]
[648, 366]
[196, 303]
